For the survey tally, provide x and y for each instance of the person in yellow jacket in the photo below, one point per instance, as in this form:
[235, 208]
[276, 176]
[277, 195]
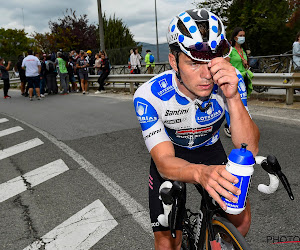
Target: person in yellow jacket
[149, 60]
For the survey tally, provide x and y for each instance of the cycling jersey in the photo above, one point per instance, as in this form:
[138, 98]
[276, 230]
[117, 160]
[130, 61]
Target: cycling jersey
[166, 114]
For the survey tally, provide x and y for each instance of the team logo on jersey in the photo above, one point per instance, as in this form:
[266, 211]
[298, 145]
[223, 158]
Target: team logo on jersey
[212, 114]
[145, 112]
[162, 87]
[242, 87]
[197, 132]
[175, 121]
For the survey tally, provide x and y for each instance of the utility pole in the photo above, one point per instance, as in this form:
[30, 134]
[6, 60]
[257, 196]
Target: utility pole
[156, 34]
[101, 31]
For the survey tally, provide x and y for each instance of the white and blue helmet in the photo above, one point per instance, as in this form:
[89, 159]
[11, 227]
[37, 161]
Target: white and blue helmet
[200, 34]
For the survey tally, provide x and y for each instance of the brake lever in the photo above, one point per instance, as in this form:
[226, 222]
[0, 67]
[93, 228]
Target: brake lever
[271, 165]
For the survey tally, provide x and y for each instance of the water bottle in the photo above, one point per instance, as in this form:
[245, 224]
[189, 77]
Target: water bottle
[240, 164]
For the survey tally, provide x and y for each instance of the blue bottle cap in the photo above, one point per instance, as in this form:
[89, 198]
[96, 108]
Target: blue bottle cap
[242, 156]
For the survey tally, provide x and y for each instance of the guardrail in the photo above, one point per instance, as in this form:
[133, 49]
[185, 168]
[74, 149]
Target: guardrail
[288, 81]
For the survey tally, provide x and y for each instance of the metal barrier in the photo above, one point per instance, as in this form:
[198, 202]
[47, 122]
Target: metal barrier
[288, 81]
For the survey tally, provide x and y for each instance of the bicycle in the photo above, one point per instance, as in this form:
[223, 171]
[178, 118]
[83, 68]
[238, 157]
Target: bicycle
[209, 229]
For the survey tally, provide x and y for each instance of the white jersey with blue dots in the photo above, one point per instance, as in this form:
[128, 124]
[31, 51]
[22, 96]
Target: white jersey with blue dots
[166, 114]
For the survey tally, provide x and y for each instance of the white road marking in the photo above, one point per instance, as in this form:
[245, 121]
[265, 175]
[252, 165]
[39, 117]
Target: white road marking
[20, 148]
[33, 178]
[277, 117]
[81, 231]
[2, 120]
[138, 212]
[10, 131]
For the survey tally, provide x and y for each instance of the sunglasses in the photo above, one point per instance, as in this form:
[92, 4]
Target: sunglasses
[202, 51]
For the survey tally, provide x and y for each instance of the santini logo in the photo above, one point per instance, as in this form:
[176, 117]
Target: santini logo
[176, 112]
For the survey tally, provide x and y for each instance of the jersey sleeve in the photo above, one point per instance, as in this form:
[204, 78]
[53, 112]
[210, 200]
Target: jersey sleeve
[148, 111]
[243, 94]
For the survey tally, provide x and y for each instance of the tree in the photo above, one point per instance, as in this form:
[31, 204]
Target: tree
[218, 7]
[265, 23]
[72, 32]
[118, 40]
[13, 42]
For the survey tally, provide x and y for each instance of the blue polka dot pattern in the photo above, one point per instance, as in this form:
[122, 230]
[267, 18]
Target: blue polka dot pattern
[213, 44]
[186, 19]
[199, 46]
[181, 38]
[214, 18]
[182, 14]
[222, 36]
[173, 28]
[192, 29]
[215, 29]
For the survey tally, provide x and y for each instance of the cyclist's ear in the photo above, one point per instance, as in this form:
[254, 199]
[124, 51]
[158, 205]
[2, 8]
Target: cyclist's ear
[172, 61]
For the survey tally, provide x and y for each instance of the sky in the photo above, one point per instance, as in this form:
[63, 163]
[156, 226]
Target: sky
[137, 15]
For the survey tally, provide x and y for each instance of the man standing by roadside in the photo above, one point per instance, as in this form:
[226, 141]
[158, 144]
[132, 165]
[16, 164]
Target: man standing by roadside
[149, 60]
[63, 73]
[32, 66]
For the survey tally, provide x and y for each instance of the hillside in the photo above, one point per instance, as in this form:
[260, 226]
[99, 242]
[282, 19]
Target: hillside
[163, 50]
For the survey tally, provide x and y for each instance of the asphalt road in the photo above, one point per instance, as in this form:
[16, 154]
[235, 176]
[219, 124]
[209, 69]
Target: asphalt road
[99, 140]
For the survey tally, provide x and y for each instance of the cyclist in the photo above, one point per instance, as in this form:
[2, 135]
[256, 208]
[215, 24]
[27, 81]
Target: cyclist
[181, 111]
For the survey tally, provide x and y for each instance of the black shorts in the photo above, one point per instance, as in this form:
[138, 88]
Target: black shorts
[33, 82]
[209, 155]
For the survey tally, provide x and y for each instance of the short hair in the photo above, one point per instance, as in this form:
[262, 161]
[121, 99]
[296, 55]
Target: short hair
[59, 54]
[297, 36]
[29, 52]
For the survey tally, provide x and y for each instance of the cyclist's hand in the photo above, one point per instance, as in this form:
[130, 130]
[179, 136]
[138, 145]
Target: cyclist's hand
[224, 75]
[218, 181]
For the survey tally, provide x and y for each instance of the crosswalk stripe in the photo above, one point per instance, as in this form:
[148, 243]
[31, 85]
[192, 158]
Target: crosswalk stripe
[3, 120]
[81, 231]
[10, 131]
[33, 178]
[20, 148]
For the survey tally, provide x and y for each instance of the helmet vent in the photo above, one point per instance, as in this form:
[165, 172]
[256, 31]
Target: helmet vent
[203, 27]
[183, 29]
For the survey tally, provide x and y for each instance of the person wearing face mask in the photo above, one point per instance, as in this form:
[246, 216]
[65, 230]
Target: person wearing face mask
[238, 59]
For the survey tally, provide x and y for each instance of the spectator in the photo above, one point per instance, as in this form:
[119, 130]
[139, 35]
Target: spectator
[82, 65]
[32, 66]
[63, 73]
[5, 77]
[135, 63]
[238, 57]
[129, 64]
[296, 53]
[50, 74]
[22, 75]
[43, 76]
[97, 64]
[149, 60]
[72, 79]
[91, 60]
[105, 72]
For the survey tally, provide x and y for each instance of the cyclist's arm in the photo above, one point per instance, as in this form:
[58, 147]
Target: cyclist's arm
[242, 128]
[215, 179]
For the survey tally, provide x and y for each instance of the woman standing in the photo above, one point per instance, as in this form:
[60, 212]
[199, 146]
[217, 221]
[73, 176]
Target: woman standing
[82, 65]
[238, 57]
[5, 77]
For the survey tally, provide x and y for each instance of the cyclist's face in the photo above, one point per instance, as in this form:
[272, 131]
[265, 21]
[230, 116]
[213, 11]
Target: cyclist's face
[196, 77]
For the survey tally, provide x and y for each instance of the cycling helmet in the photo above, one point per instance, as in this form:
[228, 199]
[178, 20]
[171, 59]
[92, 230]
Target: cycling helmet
[200, 34]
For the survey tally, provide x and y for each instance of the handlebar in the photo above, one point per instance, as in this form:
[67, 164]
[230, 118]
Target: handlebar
[271, 165]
